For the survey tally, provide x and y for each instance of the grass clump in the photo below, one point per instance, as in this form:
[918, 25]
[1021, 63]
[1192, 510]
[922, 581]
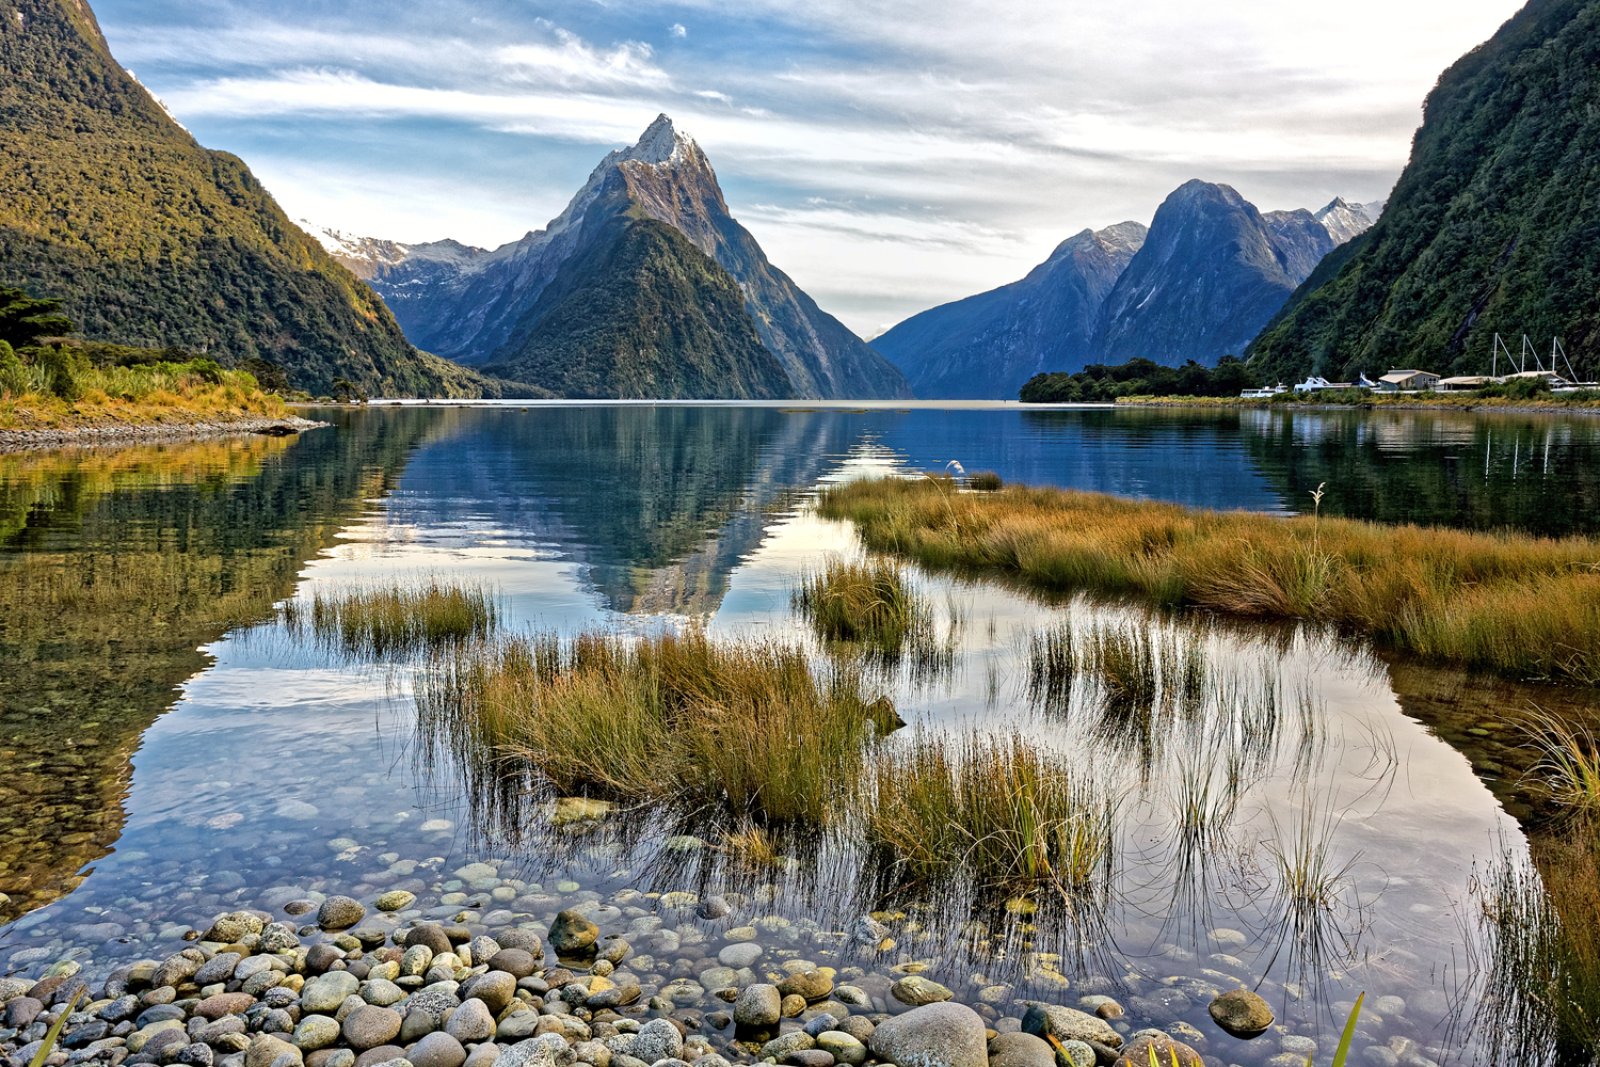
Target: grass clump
[1507, 602]
[395, 620]
[985, 482]
[746, 727]
[994, 811]
[868, 602]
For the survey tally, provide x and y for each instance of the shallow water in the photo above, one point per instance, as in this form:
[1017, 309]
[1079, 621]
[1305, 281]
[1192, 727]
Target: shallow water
[260, 761]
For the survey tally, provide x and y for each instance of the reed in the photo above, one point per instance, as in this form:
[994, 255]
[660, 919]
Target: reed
[1568, 763]
[394, 620]
[868, 603]
[746, 728]
[1507, 602]
[996, 812]
[1541, 1001]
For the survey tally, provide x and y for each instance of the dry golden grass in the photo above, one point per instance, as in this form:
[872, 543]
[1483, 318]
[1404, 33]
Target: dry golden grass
[997, 812]
[173, 399]
[747, 727]
[1513, 603]
[395, 620]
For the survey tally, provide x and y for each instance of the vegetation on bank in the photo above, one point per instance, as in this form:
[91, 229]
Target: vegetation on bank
[742, 727]
[1541, 919]
[1511, 395]
[48, 382]
[868, 603]
[1099, 382]
[1512, 603]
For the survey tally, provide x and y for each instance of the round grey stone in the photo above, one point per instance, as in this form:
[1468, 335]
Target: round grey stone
[936, 1035]
[471, 1022]
[758, 1007]
[658, 1039]
[437, 1050]
[739, 955]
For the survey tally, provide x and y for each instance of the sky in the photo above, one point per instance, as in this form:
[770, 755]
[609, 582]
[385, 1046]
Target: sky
[889, 155]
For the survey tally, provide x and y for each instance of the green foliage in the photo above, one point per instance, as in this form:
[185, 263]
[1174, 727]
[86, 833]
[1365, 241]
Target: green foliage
[1139, 377]
[24, 320]
[150, 240]
[64, 370]
[643, 313]
[1493, 227]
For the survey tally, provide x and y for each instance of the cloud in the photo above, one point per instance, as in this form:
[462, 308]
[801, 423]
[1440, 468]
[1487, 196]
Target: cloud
[568, 61]
[678, 30]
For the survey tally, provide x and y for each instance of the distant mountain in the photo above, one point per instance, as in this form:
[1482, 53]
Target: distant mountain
[988, 345]
[486, 308]
[147, 238]
[1198, 284]
[1345, 221]
[1210, 275]
[1493, 227]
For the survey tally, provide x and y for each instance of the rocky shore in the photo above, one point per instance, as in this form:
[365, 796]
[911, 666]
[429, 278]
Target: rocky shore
[328, 981]
[120, 433]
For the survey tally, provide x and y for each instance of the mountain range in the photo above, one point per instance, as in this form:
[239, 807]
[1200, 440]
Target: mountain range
[644, 286]
[1494, 226]
[1198, 284]
[149, 239]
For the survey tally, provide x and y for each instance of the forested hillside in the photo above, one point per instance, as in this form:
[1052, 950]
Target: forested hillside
[1494, 226]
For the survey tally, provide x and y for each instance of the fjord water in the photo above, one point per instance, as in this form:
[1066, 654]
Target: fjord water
[173, 751]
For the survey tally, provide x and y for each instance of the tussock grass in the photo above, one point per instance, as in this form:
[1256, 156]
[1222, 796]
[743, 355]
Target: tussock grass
[134, 396]
[1569, 764]
[994, 811]
[744, 727]
[985, 482]
[394, 620]
[1512, 603]
[868, 602]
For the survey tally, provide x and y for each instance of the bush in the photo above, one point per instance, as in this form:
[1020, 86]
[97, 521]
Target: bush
[13, 375]
[64, 370]
[208, 370]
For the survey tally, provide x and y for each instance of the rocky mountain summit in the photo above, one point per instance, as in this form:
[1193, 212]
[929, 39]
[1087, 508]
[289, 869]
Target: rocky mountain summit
[498, 309]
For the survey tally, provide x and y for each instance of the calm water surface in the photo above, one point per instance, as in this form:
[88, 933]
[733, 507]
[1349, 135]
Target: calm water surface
[173, 751]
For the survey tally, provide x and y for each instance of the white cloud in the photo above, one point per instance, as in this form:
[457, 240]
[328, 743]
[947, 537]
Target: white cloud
[568, 61]
[679, 30]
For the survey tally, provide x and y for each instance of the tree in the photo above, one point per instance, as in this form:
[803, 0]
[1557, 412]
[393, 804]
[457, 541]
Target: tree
[24, 320]
[347, 392]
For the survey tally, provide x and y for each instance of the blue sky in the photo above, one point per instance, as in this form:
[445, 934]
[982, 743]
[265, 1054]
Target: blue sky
[889, 155]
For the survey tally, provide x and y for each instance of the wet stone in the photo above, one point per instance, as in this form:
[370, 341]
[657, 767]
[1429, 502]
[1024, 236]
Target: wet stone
[572, 933]
[1241, 1013]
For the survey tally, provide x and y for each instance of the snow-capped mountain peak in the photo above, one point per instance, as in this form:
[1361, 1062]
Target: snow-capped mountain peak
[1344, 220]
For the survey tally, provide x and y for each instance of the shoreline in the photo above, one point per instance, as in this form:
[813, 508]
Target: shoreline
[517, 977]
[112, 434]
[1476, 406]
